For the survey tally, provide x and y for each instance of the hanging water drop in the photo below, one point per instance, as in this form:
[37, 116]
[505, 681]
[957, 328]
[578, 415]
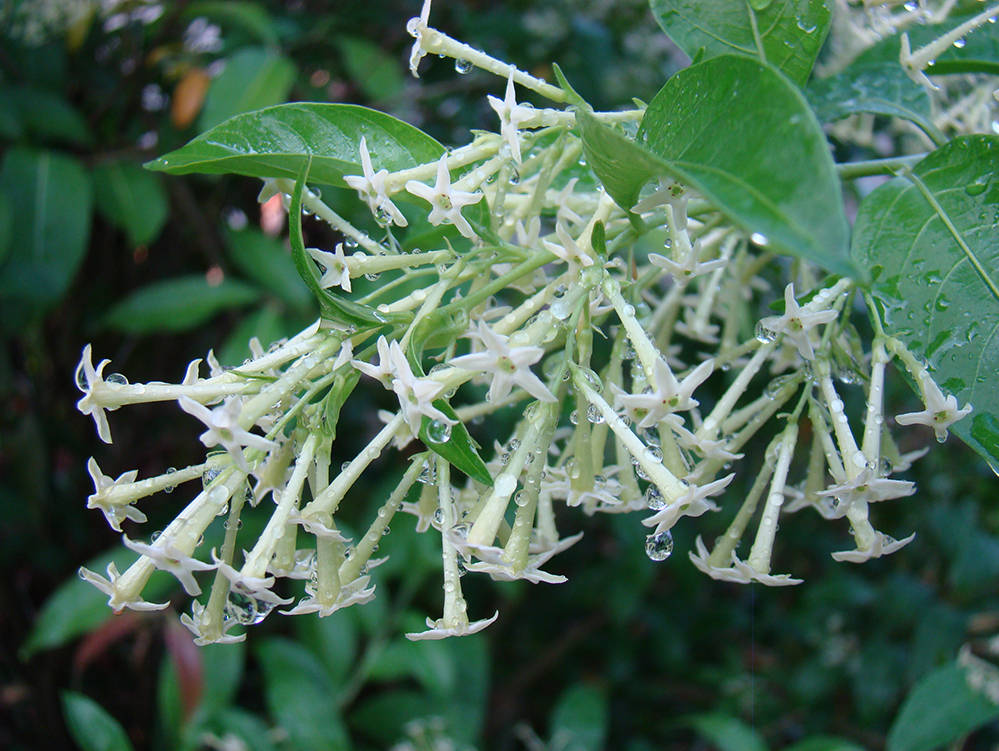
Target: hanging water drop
[758, 238]
[462, 66]
[654, 498]
[170, 488]
[659, 547]
[594, 415]
[764, 334]
[117, 379]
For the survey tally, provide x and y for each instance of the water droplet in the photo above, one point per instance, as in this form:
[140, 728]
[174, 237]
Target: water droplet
[972, 189]
[428, 475]
[574, 417]
[349, 243]
[246, 609]
[654, 499]
[764, 334]
[520, 498]
[170, 488]
[117, 379]
[462, 66]
[911, 6]
[594, 415]
[760, 239]
[774, 387]
[209, 475]
[960, 43]
[659, 547]
[805, 26]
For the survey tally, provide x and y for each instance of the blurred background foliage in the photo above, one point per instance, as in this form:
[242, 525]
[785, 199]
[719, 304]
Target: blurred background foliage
[155, 271]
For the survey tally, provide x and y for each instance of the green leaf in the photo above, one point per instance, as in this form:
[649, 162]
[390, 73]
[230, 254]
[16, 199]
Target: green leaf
[579, 720]
[940, 709]
[383, 716]
[459, 449]
[178, 304]
[824, 743]
[266, 323]
[740, 134]
[929, 244]
[131, 199]
[431, 663]
[785, 33]
[334, 306]
[47, 117]
[266, 261]
[249, 728]
[251, 18]
[332, 639]
[376, 73]
[91, 726]
[726, 732]
[278, 141]
[622, 165]
[881, 88]
[253, 77]
[50, 197]
[300, 696]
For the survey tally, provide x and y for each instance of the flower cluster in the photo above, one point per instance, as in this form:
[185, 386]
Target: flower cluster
[635, 386]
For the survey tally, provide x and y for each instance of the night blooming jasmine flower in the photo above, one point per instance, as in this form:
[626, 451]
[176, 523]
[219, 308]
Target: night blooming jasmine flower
[446, 203]
[337, 274]
[867, 487]
[567, 249]
[371, 186]
[113, 512]
[740, 572]
[511, 116]
[499, 570]
[416, 27]
[91, 382]
[507, 365]
[438, 629]
[666, 396]
[941, 412]
[797, 323]
[224, 429]
[692, 503]
[168, 558]
[883, 545]
[123, 590]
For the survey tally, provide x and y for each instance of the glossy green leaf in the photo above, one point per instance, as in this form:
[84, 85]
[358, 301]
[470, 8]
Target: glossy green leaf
[132, 199]
[333, 639]
[279, 141]
[49, 195]
[250, 18]
[744, 137]
[940, 709]
[459, 448]
[929, 243]
[727, 733]
[265, 260]
[376, 73]
[785, 33]
[177, 304]
[300, 696]
[249, 728]
[580, 718]
[254, 77]
[384, 716]
[622, 165]
[881, 88]
[266, 323]
[91, 726]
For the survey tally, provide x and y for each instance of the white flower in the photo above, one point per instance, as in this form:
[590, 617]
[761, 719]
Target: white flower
[257, 587]
[336, 272]
[168, 558]
[118, 599]
[356, 592]
[89, 380]
[103, 483]
[883, 545]
[941, 412]
[382, 371]
[438, 630]
[416, 27]
[446, 203]
[371, 186]
[690, 267]
[224, 429]
[692, 503]
[511, 115]
[500, 571]
[507, 365]
[868, 487]
[797, 322]
[739, 572]
[566, 248]
[196, 624]
[667, 395]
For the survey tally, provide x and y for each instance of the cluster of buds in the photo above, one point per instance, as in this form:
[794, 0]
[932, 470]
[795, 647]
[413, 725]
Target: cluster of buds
[626, 349]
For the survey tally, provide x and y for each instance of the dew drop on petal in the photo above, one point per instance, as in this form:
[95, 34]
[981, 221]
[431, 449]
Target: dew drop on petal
[117, 379]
